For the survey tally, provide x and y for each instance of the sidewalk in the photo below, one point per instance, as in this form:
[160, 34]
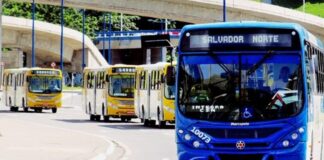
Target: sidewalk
[21, 140]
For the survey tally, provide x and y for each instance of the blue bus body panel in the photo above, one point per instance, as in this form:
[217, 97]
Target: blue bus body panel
[267, 147]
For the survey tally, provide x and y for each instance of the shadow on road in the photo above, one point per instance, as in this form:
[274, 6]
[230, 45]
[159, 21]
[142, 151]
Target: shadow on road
[88, 121]
[31, 111]
[133, 126]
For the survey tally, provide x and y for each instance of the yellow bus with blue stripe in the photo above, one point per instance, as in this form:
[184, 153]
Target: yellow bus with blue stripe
[33, 88]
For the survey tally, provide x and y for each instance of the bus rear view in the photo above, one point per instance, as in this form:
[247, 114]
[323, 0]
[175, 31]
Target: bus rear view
[241, 92]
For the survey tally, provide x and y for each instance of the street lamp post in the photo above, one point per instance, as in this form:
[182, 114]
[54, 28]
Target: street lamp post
[33, 34]
[109, 39]
[83, 35]
[224, 10]
[62, 38]
[104, 38]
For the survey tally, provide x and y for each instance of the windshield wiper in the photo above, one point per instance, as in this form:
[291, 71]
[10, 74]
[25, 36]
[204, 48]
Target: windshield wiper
[259, 63]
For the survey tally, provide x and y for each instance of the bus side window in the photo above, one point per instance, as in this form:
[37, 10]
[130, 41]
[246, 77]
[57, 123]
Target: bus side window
[19, 79]
[158, 82]
[98, 82]
[103, 80]
[23, 79]
[4, 80]
[10, 80]
[152, 80]
[145, 76]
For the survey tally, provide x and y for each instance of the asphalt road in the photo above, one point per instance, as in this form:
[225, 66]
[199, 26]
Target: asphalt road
[131, 141]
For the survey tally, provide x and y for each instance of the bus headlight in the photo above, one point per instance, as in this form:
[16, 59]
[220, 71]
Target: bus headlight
[292, 138]
[190, 139]
[196, 144]
[187, 137]
[285, 143]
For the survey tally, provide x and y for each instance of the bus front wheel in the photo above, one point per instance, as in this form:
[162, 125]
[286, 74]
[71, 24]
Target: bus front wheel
[92, 117]
[54, 110]
[106, 118]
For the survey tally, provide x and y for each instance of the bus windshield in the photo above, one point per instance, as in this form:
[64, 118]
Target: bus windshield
[169, 91]
[241, 88]
[45, 84]
[122, 86]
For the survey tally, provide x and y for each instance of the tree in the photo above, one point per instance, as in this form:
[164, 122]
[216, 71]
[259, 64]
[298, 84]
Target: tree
[72, 16]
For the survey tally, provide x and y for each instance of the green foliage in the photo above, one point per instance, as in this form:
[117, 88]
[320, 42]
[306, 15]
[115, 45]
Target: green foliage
[315, 7]
[72, 17]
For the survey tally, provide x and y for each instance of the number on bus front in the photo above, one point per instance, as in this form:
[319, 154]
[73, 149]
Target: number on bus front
[201, 135]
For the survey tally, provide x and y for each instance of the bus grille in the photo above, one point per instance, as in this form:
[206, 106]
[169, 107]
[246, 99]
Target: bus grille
[241, 157]
[247, 145]
[126, 102]
[240, 133]
[45, 97]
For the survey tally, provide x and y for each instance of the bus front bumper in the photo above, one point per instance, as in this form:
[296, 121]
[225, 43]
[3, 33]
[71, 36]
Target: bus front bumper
[297, 152]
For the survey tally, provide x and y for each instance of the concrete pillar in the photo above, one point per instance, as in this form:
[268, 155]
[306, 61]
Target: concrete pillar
[13, 58]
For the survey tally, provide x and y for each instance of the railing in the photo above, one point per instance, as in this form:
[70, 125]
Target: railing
[120, 35]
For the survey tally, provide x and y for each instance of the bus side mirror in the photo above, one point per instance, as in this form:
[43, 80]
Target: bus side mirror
[107, 78]
[170, 76]
[28, 79]
[162, 79]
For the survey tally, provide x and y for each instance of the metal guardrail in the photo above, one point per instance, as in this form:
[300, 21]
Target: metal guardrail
[122, 35]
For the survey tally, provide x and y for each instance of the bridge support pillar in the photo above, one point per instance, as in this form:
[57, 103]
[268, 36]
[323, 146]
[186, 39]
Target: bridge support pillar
[13, 58]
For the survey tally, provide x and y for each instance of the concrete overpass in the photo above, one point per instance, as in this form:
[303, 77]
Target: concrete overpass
[17, 37]
[199, 11]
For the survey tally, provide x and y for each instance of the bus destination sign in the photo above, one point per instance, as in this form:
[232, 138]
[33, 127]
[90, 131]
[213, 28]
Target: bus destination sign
[46, 72]
[239, 40]
[124, 70]
[253, 40]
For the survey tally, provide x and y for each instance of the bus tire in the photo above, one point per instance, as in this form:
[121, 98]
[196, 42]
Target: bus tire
[106, 118]
[97, 118]
[146, 122]
[24, 106]
[54, 110]
[123, 119]
[161, 123]
[92, 117]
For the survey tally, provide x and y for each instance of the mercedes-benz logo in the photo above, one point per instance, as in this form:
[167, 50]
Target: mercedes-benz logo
[240, 145]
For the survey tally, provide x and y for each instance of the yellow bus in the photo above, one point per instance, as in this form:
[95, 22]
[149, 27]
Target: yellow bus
[154, 99]
[109, 92]
[34, 88]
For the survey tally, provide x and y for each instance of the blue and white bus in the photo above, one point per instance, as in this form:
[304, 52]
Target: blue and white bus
[249, 91]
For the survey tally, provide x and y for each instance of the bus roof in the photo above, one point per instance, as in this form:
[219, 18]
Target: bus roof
[304, 34]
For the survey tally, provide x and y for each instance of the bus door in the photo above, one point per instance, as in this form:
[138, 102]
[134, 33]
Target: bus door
[6, 77]
[316, 128]
[90, 93]
[148, 102]
[15, 91]
[100, 93]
